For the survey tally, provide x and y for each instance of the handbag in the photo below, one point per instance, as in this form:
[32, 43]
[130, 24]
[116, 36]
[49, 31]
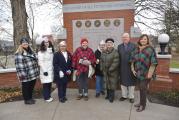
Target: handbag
[74, 75]
[91, 71]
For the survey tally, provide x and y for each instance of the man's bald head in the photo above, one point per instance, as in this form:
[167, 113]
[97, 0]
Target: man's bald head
[125, 38]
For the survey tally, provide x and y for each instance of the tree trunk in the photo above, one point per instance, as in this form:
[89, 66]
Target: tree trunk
[19, 17]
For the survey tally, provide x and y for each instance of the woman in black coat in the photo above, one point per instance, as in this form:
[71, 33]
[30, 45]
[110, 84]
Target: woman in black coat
[98, 72]
[62, 70]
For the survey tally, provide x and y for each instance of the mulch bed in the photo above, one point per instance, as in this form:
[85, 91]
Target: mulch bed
[170, 98]
[15, 94]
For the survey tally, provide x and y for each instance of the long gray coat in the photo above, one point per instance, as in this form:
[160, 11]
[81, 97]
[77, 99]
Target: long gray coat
[125, 66]
[110, 67]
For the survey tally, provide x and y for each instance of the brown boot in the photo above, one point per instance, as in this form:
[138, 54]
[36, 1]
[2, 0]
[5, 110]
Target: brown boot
[86, 98]
[79, 97]
[140, 109]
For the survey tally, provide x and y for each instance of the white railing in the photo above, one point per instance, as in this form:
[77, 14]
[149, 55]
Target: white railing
[174, 70]
[8, 70]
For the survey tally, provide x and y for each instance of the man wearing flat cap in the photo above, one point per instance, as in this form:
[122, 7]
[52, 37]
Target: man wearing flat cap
[83, 58]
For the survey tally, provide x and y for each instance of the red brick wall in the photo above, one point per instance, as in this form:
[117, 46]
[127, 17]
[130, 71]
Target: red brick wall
[8, 80]
[175, 78]
[11, 80]
[165, 80]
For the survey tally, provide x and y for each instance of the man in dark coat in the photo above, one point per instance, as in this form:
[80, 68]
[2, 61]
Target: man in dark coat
[127, 82]
[62, 62]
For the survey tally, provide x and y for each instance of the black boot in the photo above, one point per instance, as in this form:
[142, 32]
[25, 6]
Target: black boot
[107, 95]
[111, 98]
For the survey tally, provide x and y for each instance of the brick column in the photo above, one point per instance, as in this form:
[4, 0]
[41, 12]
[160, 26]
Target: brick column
[163, 81]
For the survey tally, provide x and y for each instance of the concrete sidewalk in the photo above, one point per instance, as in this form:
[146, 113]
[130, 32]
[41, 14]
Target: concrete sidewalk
[94, 109]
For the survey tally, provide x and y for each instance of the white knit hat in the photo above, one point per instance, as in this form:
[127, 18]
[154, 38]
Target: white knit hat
[102, 42]
[62, 43]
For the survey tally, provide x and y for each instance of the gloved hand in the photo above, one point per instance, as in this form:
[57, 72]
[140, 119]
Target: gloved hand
[134, 72]
[86, 62]
[97, 61]
[68, 72]
[61, 74]
[80, 61]
[45, 73]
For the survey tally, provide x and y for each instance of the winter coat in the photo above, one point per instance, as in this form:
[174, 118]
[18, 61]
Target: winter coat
[142, 61]
[45, 60]
[26, 66]
[85, 54]
[60, 64]
[97, 68]
[110, 67]
[126, 78]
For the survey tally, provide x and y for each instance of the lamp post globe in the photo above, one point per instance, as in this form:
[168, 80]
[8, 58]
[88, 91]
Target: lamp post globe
[163, 40]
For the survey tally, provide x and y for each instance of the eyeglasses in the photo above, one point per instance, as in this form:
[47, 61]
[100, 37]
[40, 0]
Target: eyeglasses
[63, 46]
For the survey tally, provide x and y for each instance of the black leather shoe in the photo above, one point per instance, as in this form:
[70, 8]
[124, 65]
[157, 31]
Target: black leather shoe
[33, 100]
[131, 100]
[97, 95]
[140, 109]
[62, 100]
[65, 99]
[102, 92]
[122, 99]
[29, 102]
[106, 97]
[137, 105]
[111, 100]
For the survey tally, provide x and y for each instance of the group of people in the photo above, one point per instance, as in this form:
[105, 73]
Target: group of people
[125, 66]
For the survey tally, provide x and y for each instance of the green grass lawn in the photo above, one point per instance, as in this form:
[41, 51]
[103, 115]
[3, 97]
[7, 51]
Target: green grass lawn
[174, 64]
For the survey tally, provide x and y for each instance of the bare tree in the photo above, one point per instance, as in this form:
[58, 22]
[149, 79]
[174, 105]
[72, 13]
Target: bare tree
[31, 21]
[162, 14]
[19, 16]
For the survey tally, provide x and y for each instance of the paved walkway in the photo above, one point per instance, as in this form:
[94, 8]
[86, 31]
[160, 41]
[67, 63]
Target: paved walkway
[94, 109]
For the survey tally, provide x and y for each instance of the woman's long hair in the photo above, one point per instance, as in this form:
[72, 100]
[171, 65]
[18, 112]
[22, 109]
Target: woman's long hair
[43, 47]
[20, 50]
[140, 38]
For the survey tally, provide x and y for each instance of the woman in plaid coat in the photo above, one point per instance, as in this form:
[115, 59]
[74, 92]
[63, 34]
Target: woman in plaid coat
[144, 62]
[27, 69]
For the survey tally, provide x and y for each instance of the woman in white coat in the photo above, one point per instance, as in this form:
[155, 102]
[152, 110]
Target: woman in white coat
[45, 60]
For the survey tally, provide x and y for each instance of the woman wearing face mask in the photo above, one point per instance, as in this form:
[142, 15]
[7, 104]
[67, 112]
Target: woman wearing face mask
[110, 67]
[45, 60]
[27, 69]
[143, 64]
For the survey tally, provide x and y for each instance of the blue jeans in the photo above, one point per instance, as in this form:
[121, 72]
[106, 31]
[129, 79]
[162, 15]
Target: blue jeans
[99, 84]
